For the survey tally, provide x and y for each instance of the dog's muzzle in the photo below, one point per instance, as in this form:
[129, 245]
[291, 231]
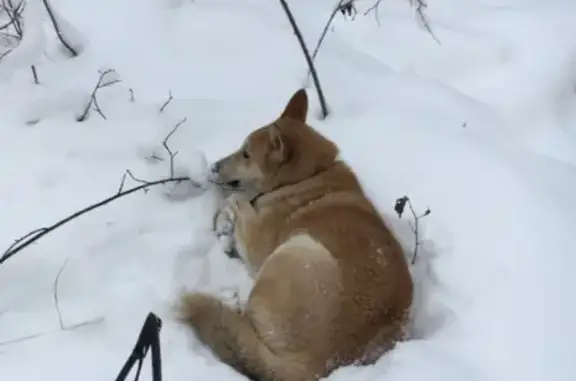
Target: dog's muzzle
[215, 168]
[215, 177]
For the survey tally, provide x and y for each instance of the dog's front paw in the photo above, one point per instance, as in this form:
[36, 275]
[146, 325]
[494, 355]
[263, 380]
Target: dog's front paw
[241, 206]
[224, 221]
[228, 245]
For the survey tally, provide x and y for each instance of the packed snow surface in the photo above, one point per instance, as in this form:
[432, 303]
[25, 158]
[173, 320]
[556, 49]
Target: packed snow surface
[479, 125]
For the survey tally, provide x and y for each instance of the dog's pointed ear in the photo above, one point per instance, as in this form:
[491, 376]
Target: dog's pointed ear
[297, 107]
[278, 144]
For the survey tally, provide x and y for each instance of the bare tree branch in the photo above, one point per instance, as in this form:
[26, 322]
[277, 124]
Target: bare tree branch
[14, 13]
[344, 7]
[58, 31]
[171, 154]
[311, 67]
[12, 31]
[23, 243]
[93, 102]
[335, 11]
[23, 238]
[2, 55]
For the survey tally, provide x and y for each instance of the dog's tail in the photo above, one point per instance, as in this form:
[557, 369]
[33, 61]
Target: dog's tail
[229, 334]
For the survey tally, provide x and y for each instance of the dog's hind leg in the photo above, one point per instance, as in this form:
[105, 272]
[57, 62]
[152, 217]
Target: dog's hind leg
[232, 337]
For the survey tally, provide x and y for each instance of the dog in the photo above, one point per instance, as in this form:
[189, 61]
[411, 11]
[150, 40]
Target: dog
[332, 286]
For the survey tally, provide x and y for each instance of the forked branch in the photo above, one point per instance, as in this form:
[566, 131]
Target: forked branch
[103, 81]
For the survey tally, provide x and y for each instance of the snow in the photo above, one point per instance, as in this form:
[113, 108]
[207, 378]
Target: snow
[480, 128]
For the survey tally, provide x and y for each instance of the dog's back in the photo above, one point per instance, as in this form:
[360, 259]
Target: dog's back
[332, 286]
[338, 284]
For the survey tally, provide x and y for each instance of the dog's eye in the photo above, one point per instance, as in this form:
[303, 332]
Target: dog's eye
[245, 154]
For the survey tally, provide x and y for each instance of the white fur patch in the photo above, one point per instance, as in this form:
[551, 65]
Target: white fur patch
[308, 245]
[312, 255]
[301, 240]
[298, 241]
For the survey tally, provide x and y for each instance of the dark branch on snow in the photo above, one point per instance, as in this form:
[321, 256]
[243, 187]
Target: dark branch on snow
[61, 37]
[399, 207]
[311, 67]
[165, 104]
[34, 236]
[93, 102]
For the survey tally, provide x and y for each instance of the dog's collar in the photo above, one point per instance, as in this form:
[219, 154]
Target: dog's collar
[255, 198]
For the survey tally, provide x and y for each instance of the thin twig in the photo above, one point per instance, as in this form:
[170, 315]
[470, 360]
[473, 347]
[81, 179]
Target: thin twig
[61, 37]
[10, 22]
[19, 240]
[15, 15]
[136, 179]
[93, 102]
[37, 335]
[55, 295]
[311, 66]
[167, 102]
[399, 208]
[5, 54]
[374, 8]
[327, 26]
[343, 6]
[165, 144]
[20, 245]
[415, 229]
[171, 154]
[420, 6]
[121, 188]
[35, 74]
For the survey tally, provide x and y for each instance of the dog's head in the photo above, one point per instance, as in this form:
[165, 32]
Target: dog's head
[284, 152]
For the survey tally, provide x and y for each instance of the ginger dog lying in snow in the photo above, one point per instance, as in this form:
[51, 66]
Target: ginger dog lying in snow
[332, 286]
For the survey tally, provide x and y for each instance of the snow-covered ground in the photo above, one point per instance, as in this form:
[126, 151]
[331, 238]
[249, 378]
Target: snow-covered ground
[480, 128]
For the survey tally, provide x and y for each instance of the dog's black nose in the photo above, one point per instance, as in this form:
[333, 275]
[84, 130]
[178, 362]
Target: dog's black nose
[215, 167]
